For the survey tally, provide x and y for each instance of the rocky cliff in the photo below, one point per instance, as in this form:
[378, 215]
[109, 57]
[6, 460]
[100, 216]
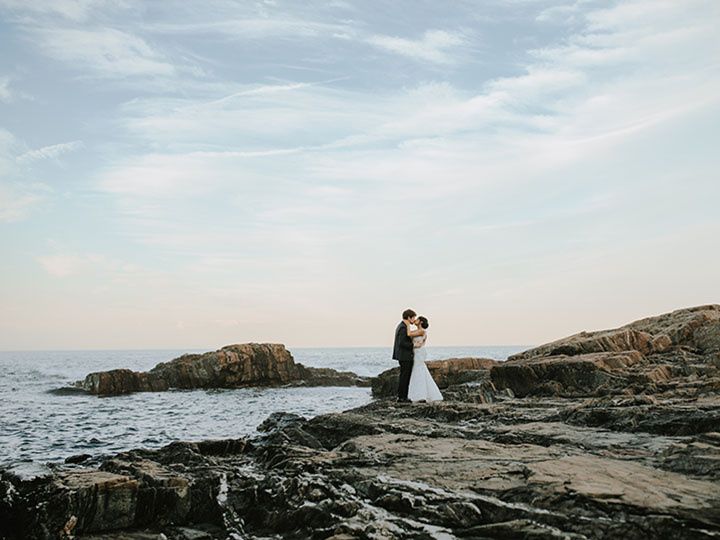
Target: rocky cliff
[233, 366]
[575, 439]
[676, 353]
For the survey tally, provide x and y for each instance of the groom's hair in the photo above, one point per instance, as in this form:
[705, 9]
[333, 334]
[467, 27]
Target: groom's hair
[424, 322]
[408, 314]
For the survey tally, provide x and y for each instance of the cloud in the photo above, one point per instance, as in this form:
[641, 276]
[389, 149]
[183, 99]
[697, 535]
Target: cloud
[6, 95]
[433, 47]
[109, 270]
[509, 142]
[253, 28]
[19, 193]
[63, 265]
[16, 203]
[520, 170]
[50, 152]
[74, 10]
[106, 52]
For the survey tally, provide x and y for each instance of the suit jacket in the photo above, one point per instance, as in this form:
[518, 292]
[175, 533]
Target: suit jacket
[403, 350]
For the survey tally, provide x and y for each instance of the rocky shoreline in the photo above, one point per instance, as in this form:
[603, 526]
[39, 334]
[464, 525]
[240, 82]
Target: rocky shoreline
[600, 435]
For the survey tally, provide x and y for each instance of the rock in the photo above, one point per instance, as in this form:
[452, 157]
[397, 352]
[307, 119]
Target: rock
[312, 376]
[672, 351]
[697, 327]
[122, 381]
[513, 469]
[563, 375]
[77, 458]
[83, 499]
[233, 366]
[589, 445]
[445, 373]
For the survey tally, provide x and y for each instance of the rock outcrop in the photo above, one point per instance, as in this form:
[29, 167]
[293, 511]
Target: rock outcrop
[233, 366]
[639, 460]
[448, 470]
[675, 352]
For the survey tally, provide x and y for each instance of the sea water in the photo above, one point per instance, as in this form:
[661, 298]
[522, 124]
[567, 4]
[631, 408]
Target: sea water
[37, 424]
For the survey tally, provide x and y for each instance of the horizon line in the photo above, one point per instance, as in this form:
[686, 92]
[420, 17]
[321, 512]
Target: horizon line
[389, 346]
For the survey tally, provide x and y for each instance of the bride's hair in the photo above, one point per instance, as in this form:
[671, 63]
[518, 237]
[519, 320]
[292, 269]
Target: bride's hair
[424, 322]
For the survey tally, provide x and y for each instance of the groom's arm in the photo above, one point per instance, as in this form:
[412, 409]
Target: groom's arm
[404, 340]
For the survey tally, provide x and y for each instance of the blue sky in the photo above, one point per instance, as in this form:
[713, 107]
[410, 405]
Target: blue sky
[191, 174]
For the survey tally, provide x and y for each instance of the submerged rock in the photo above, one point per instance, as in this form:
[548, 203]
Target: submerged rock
[233, 366]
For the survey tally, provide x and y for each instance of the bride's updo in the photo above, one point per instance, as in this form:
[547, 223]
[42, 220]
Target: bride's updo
[424, 322]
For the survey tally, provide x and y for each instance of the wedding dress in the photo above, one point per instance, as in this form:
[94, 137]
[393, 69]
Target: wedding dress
[422, 386]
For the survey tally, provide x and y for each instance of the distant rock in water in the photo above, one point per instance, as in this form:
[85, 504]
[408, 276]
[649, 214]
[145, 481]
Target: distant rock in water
[233, 366]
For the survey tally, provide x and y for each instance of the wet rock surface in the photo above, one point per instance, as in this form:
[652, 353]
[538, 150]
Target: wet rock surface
[233, 366]
[641, 459]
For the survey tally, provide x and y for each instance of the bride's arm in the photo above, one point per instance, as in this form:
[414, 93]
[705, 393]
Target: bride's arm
[415, 333]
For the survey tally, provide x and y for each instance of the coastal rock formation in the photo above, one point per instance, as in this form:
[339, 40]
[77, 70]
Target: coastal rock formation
[233, 366]
[446, 470]
[678, 351]
[448, 372]
[633, 462]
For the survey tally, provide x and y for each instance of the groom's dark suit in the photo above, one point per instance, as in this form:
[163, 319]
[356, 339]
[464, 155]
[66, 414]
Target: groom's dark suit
[404, 353]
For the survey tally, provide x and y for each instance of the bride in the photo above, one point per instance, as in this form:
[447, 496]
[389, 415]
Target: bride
[422, 386]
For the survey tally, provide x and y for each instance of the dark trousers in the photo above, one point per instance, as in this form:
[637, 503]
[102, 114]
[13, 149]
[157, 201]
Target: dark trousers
[405, 371]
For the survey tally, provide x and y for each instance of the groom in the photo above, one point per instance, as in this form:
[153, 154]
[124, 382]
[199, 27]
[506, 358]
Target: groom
[404, 353]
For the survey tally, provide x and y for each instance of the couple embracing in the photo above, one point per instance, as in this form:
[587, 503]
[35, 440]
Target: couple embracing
[416, 383]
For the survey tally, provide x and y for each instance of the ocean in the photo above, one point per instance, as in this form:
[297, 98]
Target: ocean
[39, 425]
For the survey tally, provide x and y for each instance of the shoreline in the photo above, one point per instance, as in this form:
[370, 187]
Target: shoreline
[600, 435]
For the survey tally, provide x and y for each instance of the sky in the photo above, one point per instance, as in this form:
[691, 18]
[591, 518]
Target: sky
[189, 174]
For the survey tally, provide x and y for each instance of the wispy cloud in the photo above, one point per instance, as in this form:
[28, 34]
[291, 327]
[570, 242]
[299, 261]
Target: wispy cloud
[104, 52]
[15, 203]
[435, 45]
[6, 94]
[493, 143]
[50, 152]
[513, 147]
[63, 264]
[74, 10]
[19, 194]
[253, 28]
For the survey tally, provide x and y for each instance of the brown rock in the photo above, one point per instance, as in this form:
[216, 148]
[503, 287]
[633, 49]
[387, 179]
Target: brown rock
[566, 375]
[675, 350]
[110, 498]
[122, 381]
[593, 342]
[233, 366]
[697, 327]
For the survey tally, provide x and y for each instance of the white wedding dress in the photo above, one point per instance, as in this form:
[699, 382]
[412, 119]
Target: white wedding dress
[422, 386]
